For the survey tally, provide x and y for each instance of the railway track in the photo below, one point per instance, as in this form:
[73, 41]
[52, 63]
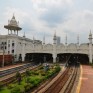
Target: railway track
[15, 69]
[12, 78]
[71, 81]
[61, 85]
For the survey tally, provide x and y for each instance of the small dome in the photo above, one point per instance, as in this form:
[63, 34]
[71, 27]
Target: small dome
[13, 22]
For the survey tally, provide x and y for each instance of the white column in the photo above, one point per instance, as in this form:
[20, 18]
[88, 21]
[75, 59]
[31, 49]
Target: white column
[54, 53]
[54, 58]
[14, 32]
[90, 53]
[8, 31]
[17, 32]
[23, 50]
[11, 31]
[90, 47]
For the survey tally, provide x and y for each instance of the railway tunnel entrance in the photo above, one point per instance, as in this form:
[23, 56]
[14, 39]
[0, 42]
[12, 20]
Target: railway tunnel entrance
[39, 57]
[73, 58]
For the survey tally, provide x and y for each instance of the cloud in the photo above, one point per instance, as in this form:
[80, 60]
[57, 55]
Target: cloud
[54, 16]
[52, 3]
[77, 23]
[45, 16]
[19, 14]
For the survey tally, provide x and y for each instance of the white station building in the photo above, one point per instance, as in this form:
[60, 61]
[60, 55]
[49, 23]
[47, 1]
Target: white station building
[20, 46]
[13, 43]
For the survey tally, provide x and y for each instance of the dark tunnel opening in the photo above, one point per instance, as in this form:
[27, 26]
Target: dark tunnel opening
[73, 58]
[39, 57]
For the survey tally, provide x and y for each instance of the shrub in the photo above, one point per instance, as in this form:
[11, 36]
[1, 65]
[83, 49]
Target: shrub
[49, 74]
[22, 90]
[15, 90]
[34, 80]
[41, 67]
[43, 74]
[10, 86]
[27, 87]
[57, 68]
[28, 72]
[36, 73]
[1, 86]
[32, 72]
[18, 77]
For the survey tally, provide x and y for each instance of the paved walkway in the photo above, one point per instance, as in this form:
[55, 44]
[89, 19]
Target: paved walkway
[86, 79]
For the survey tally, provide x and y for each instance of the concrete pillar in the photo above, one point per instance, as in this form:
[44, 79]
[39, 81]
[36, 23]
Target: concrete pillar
[17, 32]
[23, 50]
[90, 53]
[14, 32]
[54, 58]
[11, 31]
[90, 47]
[8, 31]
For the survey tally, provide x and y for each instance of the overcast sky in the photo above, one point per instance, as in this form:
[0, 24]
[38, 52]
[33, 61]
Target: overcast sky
[43, 17]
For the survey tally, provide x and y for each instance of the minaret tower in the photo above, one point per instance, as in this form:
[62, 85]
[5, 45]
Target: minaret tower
[54, 48]
[33, 43]
[43, 45]
[54, 38]
[24, 35]
[90, 47]
[78, 39]
[13, 26]
[44, 40]
[66, 43]
[78, 42]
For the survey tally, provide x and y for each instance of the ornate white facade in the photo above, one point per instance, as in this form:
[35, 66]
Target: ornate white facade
[17, 45]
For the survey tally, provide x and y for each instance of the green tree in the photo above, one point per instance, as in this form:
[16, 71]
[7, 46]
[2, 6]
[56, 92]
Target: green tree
[18, 77]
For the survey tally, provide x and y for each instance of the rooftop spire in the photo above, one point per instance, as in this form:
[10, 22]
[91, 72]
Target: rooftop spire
[90, 32]
[66, 40]
[24, 34]
[54, 36]
[13, 16]
[78, 39]
[33, 40]
[44, 39]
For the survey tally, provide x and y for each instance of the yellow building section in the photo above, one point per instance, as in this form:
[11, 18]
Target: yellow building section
[80, 80]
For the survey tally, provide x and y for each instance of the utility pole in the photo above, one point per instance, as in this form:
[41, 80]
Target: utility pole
[3, 54]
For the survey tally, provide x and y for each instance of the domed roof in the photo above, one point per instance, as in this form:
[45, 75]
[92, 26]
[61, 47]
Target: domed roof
[13, 22]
